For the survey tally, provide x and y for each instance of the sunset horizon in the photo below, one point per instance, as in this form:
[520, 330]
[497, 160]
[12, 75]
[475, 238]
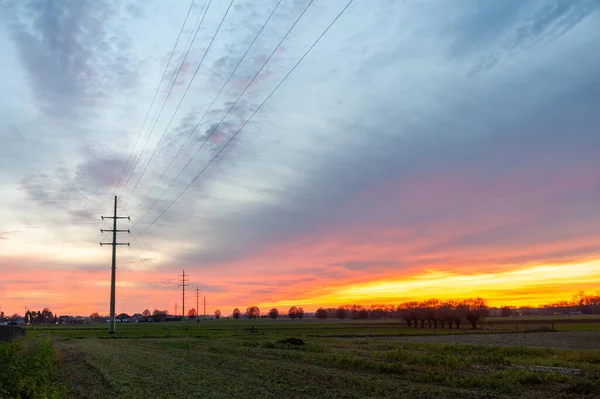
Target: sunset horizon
[300, 153]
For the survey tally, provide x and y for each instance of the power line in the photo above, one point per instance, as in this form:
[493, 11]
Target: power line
[252, 115]
[190, 41]
[164, 101]
[211, 104]
[155, 94]
[226, 114]
[178, 105]
[171, 84]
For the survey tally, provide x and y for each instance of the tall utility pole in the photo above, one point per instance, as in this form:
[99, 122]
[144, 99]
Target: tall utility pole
[114, 243]
[183, 283]
[197, 303]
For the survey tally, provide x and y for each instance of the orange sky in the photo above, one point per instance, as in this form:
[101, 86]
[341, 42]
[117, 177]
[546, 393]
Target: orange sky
[81, 291]
[340, 261]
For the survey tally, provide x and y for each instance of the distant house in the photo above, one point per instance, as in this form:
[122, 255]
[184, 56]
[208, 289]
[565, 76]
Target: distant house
[64, 319]
[123, 318]
[137, 317]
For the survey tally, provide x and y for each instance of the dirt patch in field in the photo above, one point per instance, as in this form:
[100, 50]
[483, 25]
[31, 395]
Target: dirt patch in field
[86, 380]
[565, 340]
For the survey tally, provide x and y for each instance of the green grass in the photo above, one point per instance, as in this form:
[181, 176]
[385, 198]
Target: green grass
[347, 359]
[254, 365]
[307, 327]
[30, 368]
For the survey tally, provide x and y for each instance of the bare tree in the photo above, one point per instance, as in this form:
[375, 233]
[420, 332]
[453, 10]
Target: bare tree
[236, 313]
[217, 314]
[476, 309]
[192, 313]
[341, 313]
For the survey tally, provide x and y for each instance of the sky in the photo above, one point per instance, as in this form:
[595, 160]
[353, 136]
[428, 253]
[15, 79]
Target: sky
[411, 150]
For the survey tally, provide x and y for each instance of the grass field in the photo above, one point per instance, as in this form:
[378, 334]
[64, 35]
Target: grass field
[349, 359]
[309, 327]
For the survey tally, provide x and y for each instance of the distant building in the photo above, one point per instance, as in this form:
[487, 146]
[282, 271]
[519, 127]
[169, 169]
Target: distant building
[137, 317]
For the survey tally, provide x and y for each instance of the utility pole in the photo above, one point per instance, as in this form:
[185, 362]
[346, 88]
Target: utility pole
[204, 307]
[197, 299]
[114, 243]
[183, 283]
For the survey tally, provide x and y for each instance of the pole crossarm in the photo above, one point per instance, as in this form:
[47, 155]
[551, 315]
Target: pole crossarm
[184, 282]
[114, 244]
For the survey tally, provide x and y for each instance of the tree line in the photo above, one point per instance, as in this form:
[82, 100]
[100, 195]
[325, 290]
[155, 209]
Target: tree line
[429, 313]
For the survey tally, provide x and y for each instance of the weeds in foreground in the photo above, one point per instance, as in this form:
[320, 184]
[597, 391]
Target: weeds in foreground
[30, 369]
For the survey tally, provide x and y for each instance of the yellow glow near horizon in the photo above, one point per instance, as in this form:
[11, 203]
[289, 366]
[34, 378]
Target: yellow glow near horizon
[539, 285]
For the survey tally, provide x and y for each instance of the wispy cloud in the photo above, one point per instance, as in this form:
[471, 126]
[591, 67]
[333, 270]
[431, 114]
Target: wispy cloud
[71, 51]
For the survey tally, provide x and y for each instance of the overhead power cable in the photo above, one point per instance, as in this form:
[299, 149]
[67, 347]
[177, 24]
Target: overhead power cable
[179, 104]
[251, 116]
[167, 96]
[211, 104]
[154, 97]
[228, 111]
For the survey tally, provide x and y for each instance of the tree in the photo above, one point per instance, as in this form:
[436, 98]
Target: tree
[160, 315]
[146, 313]
[476, 309]
[236, 313]
[273, 313]
[217, 314]
[95, 317]
[300, 313]
[321, 314]
[253, 312]
[340, 313]
[192, 313]
[47, 316]
[293, 313]
[363, 314]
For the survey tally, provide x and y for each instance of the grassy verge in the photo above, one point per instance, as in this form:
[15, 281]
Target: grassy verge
[30, 368]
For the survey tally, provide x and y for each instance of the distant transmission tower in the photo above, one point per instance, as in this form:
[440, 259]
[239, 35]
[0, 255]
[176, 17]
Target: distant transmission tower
[114, 243]
[197, 301]
[183, 283]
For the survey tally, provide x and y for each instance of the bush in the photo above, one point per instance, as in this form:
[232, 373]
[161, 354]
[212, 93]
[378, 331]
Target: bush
[30, 369]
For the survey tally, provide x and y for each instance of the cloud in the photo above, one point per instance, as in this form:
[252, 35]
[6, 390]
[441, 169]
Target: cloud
[413, 137]
[71, 52]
